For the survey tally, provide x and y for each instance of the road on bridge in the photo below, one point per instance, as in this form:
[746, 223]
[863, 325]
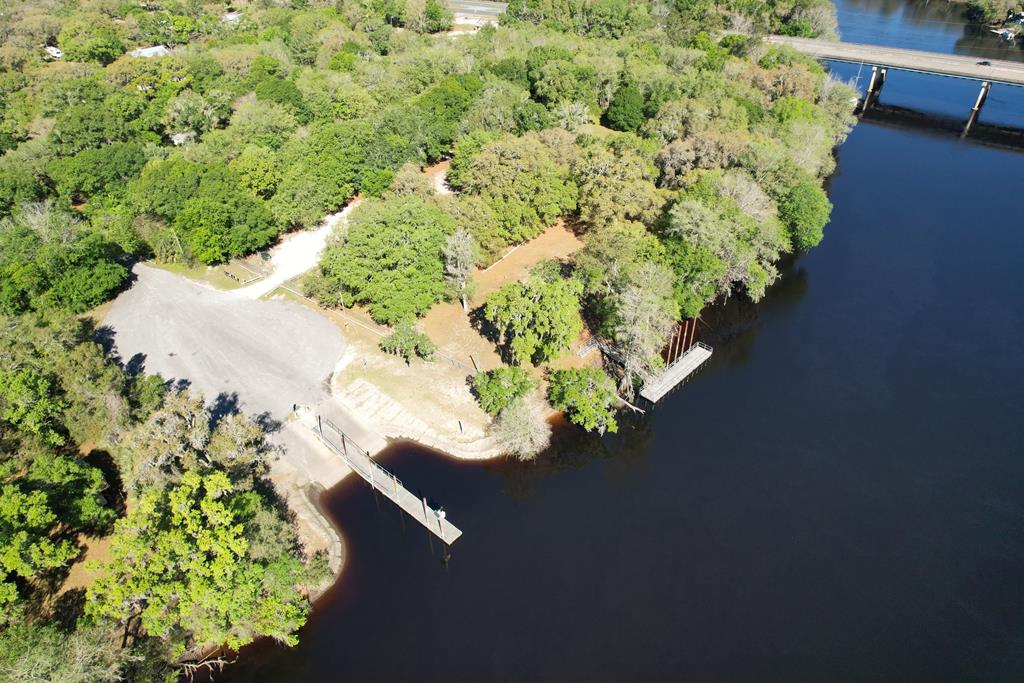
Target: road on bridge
[957, 66]
[483, 9]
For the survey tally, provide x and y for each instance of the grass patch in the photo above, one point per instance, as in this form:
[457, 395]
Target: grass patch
[211, 275]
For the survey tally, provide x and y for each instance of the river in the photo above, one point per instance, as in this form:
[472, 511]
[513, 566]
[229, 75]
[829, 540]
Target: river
[838, 496]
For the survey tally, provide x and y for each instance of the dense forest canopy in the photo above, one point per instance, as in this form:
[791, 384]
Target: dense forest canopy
[687, 156]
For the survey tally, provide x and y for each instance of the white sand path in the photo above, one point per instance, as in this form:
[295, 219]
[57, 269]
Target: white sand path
[296, 254]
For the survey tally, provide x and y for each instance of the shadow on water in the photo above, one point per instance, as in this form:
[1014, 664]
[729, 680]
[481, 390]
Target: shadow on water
[1006, 137]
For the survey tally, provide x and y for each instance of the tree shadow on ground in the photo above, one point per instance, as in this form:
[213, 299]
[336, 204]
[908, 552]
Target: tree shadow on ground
[136, 365]
[268, 423]
[104, 335]
[68, 608]
[114, 493]
[223, 405]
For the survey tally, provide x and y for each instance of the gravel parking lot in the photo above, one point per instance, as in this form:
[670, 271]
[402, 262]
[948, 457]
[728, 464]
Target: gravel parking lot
[266, 355]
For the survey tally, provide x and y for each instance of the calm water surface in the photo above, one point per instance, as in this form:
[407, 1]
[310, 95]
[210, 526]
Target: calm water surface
[839, 496]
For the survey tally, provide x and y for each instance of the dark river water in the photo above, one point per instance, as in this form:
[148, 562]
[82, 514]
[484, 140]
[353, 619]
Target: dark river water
[838, 496]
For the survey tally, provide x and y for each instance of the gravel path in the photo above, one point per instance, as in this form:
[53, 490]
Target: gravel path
[268, 354]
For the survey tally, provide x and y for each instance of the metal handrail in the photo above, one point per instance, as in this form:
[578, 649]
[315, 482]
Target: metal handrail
[359, 450]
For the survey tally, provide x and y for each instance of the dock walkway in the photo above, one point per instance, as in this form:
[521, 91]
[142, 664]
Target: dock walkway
[676, 372]
[385, 482]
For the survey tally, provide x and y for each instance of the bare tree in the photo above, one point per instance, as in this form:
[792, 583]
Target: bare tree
[522, 429]
[460, 254]
[645, 314]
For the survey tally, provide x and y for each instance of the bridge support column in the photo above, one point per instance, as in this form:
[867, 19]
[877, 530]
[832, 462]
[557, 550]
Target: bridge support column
[874, 87]
[973, 118]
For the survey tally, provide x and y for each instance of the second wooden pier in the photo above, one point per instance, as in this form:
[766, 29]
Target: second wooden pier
[676, 372]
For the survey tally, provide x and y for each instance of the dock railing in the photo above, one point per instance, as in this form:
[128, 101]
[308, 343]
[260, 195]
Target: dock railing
[359, 460]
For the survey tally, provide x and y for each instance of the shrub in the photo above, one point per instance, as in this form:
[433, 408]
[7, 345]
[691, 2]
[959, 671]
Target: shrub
[406, 341]
[497, 389]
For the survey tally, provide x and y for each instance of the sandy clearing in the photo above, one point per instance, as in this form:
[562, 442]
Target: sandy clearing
[438, 174]
[557, 242]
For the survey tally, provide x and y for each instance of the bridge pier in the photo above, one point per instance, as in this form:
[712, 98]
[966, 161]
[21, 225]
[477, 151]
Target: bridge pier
[973, 118]
[874, 87]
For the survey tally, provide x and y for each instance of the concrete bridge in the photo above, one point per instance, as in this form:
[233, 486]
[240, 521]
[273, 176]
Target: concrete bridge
[955, 66]
[881, 59]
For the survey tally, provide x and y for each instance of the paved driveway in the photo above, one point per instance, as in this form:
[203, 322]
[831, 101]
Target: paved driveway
[266, 355]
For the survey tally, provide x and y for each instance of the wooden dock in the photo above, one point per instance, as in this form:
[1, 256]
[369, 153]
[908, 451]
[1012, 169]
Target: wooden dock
[385, 482]
[676, 372]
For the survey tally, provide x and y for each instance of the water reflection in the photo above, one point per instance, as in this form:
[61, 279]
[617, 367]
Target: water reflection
[922, 25]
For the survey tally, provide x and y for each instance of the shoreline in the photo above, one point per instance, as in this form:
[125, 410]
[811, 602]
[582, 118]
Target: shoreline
[302, 480]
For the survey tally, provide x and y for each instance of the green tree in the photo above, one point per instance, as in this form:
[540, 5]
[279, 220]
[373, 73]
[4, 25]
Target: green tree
[612, 255]
[437, 17]
[586, 395]
[93, 125]
[460, 170]
[626, 110]
[26, 548]
[164, 186]
[258, 170]
[497, 389]
[95, 171]
[90, 38]
[616, 183]
[31, 401]
[179, 563]
[524, 185]
[390, 259]
[805, 209]
[537, 319]
[286, 94]
[262, 123]
[48, 260]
